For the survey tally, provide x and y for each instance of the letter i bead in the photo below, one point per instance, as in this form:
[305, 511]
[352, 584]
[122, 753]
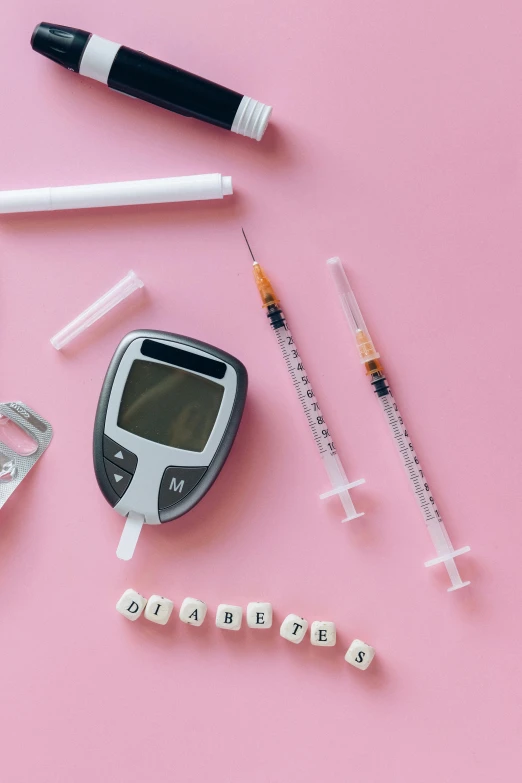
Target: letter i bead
[158, 609]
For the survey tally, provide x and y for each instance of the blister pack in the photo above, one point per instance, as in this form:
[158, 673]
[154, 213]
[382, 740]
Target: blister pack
[24, 436]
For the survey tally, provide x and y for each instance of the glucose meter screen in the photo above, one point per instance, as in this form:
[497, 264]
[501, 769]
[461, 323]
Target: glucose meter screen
[169, 406]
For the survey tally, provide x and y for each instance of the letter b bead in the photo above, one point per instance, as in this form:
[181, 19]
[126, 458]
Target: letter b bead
[229, 617]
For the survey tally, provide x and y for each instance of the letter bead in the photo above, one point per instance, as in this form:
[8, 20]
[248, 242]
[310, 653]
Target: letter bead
[158, 609]
[229, 617]
[359, 654]
[323, 633]
[259, 615]
[131, 604]
[294, 628]
[192, 611]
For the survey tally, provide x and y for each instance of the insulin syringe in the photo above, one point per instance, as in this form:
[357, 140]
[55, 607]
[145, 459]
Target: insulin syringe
[370, 358]
[304, 390]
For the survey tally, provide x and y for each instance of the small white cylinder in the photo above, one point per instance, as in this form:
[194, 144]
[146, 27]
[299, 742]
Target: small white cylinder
[198, 187]
[131, 282]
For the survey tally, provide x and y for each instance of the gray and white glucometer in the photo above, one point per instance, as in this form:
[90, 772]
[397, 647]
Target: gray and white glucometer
[168, 414]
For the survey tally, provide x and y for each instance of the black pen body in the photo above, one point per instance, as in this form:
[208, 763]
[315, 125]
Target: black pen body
[172, 88]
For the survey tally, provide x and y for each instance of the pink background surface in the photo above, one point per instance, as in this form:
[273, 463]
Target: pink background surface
[395, 144]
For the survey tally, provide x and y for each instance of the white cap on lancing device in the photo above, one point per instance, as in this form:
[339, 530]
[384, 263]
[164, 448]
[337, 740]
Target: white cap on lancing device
[199, 187]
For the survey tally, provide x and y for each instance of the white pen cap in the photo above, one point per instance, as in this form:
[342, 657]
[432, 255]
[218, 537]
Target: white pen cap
[164, 190]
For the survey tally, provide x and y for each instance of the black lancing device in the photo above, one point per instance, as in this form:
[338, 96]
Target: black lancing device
[136, 74]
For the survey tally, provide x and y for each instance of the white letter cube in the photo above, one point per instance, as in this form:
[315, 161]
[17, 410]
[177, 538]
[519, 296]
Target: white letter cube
[131, 604]
[323, 633]
[229, 617]
[294, 628]
[192, 611]
[359, 654]
[259, 615]
[158, 609]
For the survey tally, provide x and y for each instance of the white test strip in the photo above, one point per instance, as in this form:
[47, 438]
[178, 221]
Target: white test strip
[129, 537]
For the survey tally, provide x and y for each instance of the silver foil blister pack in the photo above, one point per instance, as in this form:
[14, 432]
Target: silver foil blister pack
[24, 436]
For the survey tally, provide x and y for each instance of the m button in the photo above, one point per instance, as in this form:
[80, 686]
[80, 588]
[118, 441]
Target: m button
[177, 483]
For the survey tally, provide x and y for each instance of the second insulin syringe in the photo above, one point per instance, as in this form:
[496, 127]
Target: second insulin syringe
[370, 358]
[304, 390]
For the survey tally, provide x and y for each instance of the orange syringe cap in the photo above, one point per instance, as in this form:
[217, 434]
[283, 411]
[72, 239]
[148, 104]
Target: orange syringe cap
[264, 286]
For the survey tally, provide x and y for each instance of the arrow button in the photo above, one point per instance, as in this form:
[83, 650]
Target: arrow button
[120, 456]
[119, 479]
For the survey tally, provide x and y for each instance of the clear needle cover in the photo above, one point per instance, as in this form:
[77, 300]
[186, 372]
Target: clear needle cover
[351, 310]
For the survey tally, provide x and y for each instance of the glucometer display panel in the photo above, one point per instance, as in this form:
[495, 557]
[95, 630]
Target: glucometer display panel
[169, 406]
[169, 354]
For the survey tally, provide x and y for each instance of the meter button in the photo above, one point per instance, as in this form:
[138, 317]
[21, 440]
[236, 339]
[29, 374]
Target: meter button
[119, 479]
[177, 483]
[122, 457]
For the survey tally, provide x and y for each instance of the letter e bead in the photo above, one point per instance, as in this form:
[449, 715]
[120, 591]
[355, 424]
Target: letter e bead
[323, 633]
[293, 628]
[259, 615]
[131, 604]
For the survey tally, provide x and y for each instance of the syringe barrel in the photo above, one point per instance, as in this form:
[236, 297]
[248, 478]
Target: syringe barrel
[314, 416]
[418, 481]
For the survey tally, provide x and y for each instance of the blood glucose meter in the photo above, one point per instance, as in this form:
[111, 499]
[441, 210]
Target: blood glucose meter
[168, 413]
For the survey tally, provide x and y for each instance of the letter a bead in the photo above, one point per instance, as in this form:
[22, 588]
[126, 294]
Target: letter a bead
[192, 611]
[359, 654]
[229, 617]
[131, 604]
[294, 628]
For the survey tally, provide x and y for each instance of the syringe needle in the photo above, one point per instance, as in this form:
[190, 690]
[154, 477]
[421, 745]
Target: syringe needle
[248, 245]
[263, 284]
